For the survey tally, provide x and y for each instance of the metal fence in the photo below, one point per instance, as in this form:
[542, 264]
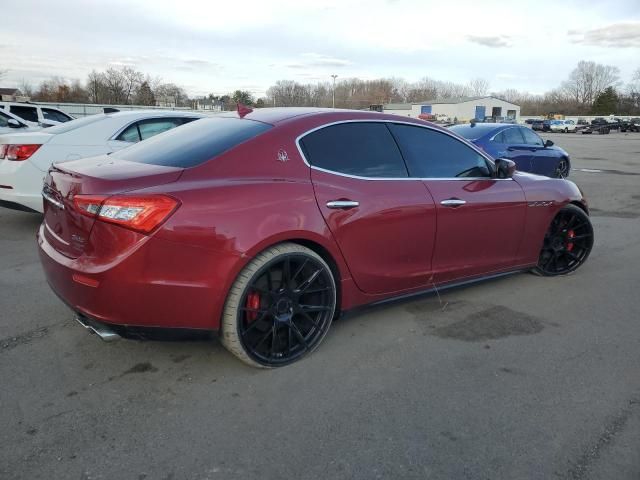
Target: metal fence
[79, 110]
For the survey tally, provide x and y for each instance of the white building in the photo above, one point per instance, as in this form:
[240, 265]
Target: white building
[461, 109]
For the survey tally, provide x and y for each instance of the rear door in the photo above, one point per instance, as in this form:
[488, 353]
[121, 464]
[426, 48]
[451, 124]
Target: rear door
[480, 218]
[383, 222]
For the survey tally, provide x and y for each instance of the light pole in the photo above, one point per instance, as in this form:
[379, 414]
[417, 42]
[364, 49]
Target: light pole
[334, 90]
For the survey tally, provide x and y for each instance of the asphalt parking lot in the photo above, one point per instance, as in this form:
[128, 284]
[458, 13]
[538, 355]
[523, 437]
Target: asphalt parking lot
[522, 377]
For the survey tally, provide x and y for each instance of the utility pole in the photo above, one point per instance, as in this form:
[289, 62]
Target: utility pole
[334, 90]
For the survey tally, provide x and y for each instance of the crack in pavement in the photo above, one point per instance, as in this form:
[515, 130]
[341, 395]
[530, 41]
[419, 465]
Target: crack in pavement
[14, 341]
[581, 468]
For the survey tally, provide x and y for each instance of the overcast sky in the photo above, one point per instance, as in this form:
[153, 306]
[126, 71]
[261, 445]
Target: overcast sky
[219, 46]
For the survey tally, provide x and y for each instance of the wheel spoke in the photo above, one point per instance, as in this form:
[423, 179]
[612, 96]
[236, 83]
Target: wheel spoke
[299, 270]
[262, 339]
[308, 317]
[308, 282]
[314, 308]
[317, 290]
[274, 334]
[286, 274]
[299, 335]
[254, 323]
[580, 237]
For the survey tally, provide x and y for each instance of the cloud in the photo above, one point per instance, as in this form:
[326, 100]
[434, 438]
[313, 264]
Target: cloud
[617, 35]
[492, 42]
[319, 60]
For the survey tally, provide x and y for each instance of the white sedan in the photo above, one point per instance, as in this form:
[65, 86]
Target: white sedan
[563, 126]
[26, 157]
[10, 123]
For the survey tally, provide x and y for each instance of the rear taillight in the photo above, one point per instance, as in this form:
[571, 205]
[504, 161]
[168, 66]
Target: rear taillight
[142, 213]
[3, 151]
[20, 152]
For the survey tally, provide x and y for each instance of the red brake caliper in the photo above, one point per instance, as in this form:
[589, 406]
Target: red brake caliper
[253, 302]
[570, 235]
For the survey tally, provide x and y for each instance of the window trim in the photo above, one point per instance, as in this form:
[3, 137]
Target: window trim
[385, 121]
[156, 117]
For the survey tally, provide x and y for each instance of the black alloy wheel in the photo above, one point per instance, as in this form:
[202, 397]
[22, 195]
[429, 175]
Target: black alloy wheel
[567, 243]
[285, 309]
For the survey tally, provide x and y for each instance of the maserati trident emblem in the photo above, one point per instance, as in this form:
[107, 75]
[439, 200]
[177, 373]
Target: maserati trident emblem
[282, 155]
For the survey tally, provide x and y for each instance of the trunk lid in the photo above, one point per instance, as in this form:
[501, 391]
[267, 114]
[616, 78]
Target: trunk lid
[68, 230]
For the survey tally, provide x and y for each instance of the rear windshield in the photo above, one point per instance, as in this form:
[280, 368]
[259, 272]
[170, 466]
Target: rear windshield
[194, 143]
[471, 131]
[73, 124]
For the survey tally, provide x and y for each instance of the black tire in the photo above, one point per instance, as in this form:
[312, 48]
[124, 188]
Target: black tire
[280, 307]
[566, 130]
[567, 243]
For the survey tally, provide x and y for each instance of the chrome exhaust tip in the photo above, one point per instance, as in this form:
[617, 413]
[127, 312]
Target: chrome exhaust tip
[103, 331]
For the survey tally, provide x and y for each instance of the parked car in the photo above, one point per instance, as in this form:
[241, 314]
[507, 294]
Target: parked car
[537, 125]
[36, 114]
[634, 125]
[10, 123]
[26, 157]
[564, 126]
[520, 144]
[264, 227]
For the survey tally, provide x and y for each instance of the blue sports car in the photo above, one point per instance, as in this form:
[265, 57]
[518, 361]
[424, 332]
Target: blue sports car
[520, 144]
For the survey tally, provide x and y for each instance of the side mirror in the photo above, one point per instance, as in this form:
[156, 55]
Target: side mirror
[13, 123]
[548, 143]
[505, 168]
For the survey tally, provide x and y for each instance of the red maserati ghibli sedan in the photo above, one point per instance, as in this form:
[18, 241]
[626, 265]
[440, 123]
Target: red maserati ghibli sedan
[264, 225]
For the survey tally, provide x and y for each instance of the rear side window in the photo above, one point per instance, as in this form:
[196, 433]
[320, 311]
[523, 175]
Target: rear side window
[150, 128]
[194, 143]
[433, 154]
[51, 114]
[28, 113]
[4, 120]
[363, 149]
[130, 134]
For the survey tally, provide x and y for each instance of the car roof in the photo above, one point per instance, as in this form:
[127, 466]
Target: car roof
[152, 112]
[274, 115]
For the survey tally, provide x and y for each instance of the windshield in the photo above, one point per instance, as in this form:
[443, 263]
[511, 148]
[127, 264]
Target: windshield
[73, 124]
[557, 122]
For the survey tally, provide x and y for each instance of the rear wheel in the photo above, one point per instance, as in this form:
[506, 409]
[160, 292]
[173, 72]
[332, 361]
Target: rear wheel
[567, 243]
[280, 307]
[566, 130]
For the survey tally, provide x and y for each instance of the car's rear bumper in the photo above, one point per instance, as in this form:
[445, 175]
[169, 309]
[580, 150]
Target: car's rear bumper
[160, 284]
[20, 185]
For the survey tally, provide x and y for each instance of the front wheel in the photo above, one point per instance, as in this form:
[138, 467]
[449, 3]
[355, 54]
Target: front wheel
[280, 307]
[567, 243]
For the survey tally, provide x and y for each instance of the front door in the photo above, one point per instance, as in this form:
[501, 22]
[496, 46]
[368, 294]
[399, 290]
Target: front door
[480, 219]
[383, 222]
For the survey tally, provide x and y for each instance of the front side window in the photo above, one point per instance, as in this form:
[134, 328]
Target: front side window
[512, 136]
[28, 113]
[433, 154]
[363, 149]
[531, 138]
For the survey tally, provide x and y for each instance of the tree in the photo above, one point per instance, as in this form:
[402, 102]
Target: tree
[478, 87]
[242, 96]
[606, 103]
[260, 103]
[144, 95]
[588, 80]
